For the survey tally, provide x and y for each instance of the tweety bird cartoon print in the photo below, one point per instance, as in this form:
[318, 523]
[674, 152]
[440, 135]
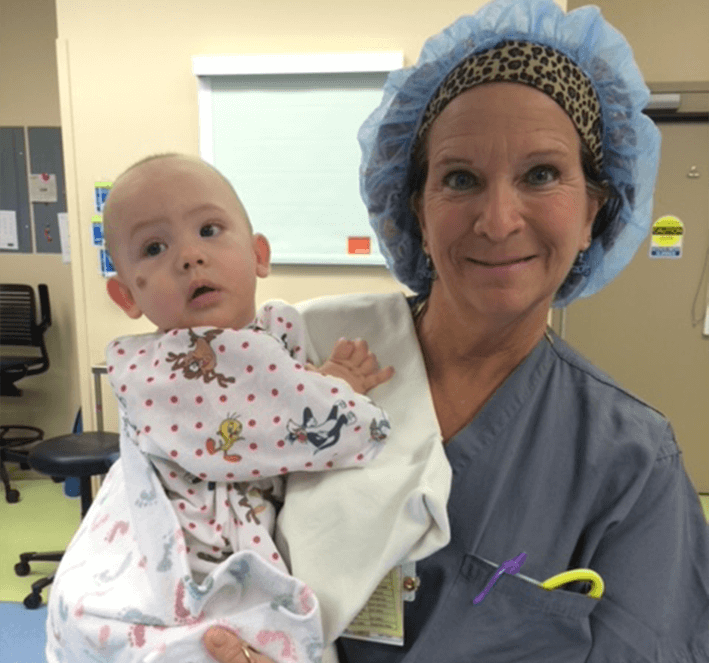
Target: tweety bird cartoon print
[212, 421]
[228, 433]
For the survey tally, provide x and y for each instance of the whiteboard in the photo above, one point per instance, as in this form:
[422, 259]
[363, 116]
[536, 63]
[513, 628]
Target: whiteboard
[283, 130]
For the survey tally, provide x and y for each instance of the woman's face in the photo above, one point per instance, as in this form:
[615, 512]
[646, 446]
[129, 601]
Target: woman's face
[504, 209]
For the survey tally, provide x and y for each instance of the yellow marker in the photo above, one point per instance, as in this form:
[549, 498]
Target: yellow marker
[583, 575]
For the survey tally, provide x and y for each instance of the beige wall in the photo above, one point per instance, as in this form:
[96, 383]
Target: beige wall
[126, 90]
[29, 96]
[670, 40]
[29, 93]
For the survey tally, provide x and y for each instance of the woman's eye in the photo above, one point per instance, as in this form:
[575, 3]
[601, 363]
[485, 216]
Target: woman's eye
[459, 180]
[542, 175]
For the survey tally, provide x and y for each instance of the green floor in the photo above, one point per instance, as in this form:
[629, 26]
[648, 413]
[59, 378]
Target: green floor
[43, 520]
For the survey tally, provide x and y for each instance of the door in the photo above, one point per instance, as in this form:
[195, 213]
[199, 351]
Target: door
[645, 328]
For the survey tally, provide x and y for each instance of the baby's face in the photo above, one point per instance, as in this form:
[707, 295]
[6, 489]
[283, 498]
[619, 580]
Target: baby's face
[178, 224]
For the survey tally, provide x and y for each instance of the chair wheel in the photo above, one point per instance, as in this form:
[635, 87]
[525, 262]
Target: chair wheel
[32, 601]
[22, 569]
[12, 496]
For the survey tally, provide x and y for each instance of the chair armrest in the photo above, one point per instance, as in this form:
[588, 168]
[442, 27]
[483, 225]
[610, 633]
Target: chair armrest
[45, 308]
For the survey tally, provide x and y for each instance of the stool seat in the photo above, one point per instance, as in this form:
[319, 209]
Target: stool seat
[76, 455]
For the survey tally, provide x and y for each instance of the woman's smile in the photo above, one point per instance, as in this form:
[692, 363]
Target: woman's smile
[502, 262]
[513, 268]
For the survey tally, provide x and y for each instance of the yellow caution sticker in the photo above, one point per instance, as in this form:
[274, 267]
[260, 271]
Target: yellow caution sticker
[667, 237]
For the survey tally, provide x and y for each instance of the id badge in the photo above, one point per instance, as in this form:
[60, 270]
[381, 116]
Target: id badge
[382, 618]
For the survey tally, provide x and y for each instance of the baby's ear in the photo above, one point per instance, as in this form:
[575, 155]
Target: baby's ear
[262, 250]
[121, 294]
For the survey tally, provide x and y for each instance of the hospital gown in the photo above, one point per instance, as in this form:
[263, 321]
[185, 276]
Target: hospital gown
[180, 535]
[561, 463]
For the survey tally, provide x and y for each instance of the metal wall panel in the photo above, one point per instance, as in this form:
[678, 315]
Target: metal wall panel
[13, 184]
[46, 157]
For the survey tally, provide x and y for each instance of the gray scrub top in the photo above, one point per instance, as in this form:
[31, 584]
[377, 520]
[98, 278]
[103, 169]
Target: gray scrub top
[563, 464]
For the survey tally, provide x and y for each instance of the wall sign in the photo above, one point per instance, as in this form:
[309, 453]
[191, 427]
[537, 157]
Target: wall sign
[667, 236]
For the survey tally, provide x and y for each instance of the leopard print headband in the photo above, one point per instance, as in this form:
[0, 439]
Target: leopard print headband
[542, 67]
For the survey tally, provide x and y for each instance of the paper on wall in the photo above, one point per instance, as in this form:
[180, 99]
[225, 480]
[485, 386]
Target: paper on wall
[63, 220]
[43, 188]
[8, 230]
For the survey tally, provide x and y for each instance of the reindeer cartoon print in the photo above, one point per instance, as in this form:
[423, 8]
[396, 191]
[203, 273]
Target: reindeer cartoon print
[230, 432]
[200, 362]
[320, 435]
[261, 495]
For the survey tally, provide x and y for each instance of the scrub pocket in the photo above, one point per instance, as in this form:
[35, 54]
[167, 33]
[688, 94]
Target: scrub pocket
[516, 621]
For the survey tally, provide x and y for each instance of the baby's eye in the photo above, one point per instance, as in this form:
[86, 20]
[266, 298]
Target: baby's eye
[542, 175]
[208, 225]
[459, 180]
[147, 249]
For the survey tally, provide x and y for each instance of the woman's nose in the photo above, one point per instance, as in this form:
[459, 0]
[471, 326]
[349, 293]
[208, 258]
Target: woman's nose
[500, 214]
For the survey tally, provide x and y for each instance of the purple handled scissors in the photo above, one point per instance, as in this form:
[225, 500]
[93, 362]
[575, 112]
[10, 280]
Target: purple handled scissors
[511, 566]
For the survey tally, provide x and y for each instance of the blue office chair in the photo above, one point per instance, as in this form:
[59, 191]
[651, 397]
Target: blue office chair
[80, 455]
[19, 329]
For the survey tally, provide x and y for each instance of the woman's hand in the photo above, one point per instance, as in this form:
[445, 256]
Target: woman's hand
[353, 362]
[226, 647]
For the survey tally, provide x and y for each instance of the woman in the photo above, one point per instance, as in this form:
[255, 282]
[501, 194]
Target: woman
[512, 170]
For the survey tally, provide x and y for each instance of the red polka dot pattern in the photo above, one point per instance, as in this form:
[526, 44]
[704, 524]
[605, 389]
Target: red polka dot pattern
[218, 452]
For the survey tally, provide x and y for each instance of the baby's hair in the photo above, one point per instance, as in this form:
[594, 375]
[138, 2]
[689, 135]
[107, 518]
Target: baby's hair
[108, 223]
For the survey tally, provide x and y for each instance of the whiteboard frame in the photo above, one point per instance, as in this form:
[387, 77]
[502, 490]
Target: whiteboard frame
[204, 67]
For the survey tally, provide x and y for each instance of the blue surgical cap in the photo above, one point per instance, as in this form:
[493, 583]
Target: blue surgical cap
[631, 141]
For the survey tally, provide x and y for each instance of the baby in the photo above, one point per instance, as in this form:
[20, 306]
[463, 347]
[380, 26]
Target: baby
[216, 407]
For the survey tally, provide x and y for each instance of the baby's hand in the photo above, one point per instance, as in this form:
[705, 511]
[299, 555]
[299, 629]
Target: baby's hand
[353, 362]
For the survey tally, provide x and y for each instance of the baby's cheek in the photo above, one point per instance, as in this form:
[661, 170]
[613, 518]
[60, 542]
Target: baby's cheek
[141, 282]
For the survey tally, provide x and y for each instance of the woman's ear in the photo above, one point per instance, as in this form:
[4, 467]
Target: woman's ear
[121, 294]
[262, 251]
[594, 206]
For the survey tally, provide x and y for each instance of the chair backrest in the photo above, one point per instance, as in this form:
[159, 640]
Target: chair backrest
[18, 315]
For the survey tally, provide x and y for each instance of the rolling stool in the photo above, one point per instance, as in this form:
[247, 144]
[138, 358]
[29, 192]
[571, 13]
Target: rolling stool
[80, 455]
[12, 450]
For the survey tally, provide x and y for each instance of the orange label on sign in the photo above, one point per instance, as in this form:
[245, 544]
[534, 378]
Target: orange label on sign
[358, 245]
